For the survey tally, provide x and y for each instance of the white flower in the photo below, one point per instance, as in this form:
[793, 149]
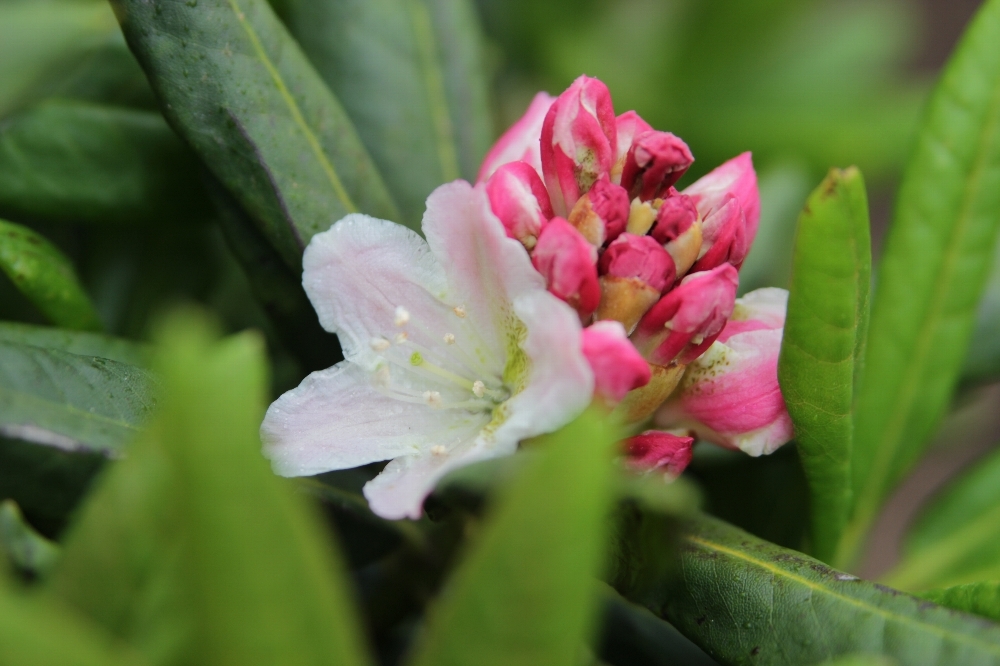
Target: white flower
[454, 350]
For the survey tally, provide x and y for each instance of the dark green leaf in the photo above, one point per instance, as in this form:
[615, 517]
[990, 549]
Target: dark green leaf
[983, 362]
[936, 260]
[236, 86]
[524, 593]
[411, 77]
[191, 548]
[38, 632]
[823, 346]
[957, 539]
[978, 598]
[80, 162]
[746, 601]
[25, 547]
[46, 276]
[80, 343]
[71, 402]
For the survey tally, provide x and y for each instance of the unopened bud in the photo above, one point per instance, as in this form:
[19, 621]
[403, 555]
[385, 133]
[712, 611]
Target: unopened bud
[578, 142]
[724, 238]
[602, 213]
[569, 265]
[518, 197]
[677, 227]
[618, 367]
[628, 126]
[655, 161]
[520, 142]
[634, 270]
[658, 450]
[686, 321]
[737, 178]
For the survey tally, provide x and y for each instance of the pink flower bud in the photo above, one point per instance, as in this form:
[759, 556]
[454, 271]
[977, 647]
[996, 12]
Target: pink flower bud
[724, 238]
[735, 177]
[688, 319]
[618, 367]
[569, 264]
[639, 257]
[602, 213]
[655, 449]
[578, 142]
[518, 197]
[520, 142]
[730, 395]
[628, 125]
[676, 215]
[655, 161]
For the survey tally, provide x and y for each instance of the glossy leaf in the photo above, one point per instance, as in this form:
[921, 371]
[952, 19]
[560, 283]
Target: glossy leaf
[80, 343]
[410, 74]
[191, 548]
[978, 598]
[46, 276]
[822, 349]
[71, 402]
[235, 85]
[24, 547]
[38, 632]
[524, 592]
[80, 162]
[936, 260]
[957, 539]
[746, 601]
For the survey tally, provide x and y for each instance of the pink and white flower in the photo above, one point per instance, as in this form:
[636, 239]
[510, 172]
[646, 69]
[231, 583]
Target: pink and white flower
[454, 352]
[730, 394]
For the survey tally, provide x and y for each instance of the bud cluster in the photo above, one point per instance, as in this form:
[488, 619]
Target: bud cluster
[651, 271]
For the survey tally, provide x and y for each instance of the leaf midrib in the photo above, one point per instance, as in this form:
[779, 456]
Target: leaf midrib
[814, 587]
[293, 107]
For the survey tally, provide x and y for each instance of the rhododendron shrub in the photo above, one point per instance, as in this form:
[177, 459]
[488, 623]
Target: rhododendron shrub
[321, 344]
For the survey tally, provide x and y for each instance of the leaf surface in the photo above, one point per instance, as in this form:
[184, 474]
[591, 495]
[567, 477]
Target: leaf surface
[46, 276]
[978, 598]
[524, 592]
[80, 343]
[746, 601]
[936, 260]
[823, 345]
[24, 547]
[411, 76]
[192, 549]
[237, 87]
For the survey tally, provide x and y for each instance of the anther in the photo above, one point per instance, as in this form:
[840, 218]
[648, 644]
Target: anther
[402, 317]
[379, 344]
[438, 450]
[449, 339]
[460, 311]
[402, 337]
[432, 398]
[478, 388]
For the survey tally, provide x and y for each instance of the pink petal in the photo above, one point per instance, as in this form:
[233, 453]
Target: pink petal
[736, 177]
[618, 368]
[520, 142]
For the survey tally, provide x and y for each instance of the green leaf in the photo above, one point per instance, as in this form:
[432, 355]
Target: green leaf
[957, 539]
[25, 547]
[746, 601]
[983, 361]
[410, 74]
[80, 162]
[236, 86]
[41, 40]
[46, 276]
[977, 598]
[524, 592]
[191, 549]
[823, 346]
[80, 343]
[39, 632]
[71, 402]
[936, 260]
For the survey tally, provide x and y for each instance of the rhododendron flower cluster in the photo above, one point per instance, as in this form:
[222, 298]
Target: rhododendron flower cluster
[573, 271]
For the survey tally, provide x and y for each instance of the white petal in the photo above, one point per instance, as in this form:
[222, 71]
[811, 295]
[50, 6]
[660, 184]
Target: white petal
[360, 271]
[561, 383]
[335, 419]
[485, 269]
[399, 491]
